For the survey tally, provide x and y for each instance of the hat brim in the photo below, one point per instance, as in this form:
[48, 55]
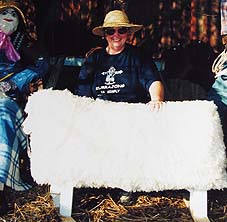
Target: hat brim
[17, 9]
[100, 29]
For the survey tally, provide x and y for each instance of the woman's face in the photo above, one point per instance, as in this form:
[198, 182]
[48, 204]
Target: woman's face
[116, 38]
[8, 20]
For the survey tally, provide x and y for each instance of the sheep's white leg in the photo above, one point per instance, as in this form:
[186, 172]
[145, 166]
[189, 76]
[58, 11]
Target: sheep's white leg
[63, 198]
[198, 205]
[66, 200]
[55, 193]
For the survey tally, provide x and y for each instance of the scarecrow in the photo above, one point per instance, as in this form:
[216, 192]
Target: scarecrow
[18, 76]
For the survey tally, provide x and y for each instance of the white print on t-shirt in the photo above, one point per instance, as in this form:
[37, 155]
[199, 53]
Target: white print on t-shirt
[116, 86]
[110, 75]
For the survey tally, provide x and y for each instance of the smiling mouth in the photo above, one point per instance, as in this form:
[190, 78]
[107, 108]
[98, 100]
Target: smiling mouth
[8, 20]
[116, 39]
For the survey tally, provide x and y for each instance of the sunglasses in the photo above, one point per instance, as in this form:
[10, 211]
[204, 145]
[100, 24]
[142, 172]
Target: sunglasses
[10, 11]
[111, 31]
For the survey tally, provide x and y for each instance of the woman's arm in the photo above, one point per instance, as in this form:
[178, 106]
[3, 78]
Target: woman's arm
[156, 91]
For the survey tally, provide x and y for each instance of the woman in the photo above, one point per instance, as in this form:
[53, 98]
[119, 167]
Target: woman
[120, 72]
[16, 74]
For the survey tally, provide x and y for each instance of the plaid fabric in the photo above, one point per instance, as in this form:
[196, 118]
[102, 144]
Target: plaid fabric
[12, 140]
[223, 10]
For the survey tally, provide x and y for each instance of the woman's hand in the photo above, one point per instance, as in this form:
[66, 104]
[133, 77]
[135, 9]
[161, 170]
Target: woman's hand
[156, 105]
[35, 86]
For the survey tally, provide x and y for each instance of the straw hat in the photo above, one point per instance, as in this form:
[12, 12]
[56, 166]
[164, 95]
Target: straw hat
[116, 18]
[14, 5]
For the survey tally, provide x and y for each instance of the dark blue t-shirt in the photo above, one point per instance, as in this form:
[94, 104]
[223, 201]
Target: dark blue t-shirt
[125, 77]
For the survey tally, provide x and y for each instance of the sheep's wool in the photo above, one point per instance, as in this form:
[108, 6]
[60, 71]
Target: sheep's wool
[78, 141]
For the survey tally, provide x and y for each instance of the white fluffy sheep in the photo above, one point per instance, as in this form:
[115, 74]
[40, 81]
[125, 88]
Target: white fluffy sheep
[78, 142]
